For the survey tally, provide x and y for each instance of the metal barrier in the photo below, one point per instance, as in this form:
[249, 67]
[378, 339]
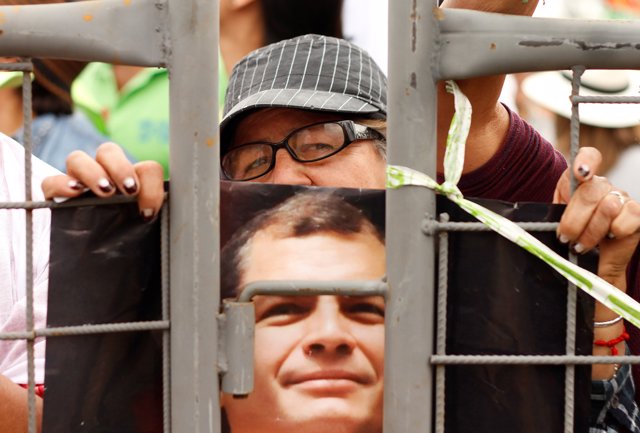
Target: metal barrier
[426, 45]
[179, 35]
[429, 45]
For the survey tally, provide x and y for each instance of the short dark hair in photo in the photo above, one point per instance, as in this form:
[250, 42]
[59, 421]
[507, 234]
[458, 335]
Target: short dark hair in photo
[304, 214]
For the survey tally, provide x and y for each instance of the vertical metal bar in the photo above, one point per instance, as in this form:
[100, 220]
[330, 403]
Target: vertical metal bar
[410, 257]
[194, 223]
[575, 121]
[164, 266]
[238, 346]
[441, 317]
[26, 114]
[570, 370]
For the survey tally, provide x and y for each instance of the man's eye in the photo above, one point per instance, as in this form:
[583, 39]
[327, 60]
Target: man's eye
[283, 310]
[316, 148]
[256, 165]
[366, 308]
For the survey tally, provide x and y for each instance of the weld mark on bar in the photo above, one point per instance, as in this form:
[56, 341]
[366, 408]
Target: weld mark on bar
[586, 46]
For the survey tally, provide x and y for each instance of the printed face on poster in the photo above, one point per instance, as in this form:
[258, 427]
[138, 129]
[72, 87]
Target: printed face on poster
[318, 359]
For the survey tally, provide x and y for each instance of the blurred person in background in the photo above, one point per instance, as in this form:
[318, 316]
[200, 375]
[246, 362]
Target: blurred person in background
[130, 104]
[13, 297]
[613, 129]
[56, 131]
[605, 9]
[581, 9]
[56, 128]
[366, 24]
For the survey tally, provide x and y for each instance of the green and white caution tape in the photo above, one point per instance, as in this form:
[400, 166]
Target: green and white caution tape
[11, 79]
[398, 176]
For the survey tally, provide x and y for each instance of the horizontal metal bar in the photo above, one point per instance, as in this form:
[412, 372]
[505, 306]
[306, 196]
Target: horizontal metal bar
[430, 227]
[93, 201]
[306, 288]
[606, 99]
[17, 66]
[112, 31]
[78, 202]
[531, 359]
[63, 331]
[473, 44]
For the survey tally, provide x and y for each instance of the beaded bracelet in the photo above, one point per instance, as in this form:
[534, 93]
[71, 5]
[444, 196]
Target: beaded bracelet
[607, 322]
[39, 389]
[612, 343]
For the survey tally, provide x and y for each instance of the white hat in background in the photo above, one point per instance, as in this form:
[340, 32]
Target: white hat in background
[552, 90]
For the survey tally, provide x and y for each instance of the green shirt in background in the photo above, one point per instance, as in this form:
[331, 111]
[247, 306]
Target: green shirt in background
[137, 118]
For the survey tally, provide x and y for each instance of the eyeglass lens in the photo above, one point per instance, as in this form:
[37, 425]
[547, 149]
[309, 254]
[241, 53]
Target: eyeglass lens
[307, 144]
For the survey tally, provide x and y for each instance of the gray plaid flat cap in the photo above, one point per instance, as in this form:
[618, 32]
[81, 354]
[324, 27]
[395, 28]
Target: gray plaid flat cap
[309, 72]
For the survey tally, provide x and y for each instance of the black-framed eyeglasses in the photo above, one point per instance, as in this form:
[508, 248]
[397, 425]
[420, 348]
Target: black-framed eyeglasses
[307, 144]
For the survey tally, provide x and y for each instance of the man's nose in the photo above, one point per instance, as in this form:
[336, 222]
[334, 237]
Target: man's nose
[329, 333]
[288, 171]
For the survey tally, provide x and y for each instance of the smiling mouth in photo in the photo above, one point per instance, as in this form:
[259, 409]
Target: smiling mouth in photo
[328, 381]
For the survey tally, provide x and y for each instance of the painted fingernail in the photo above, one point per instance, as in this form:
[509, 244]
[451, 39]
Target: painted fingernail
[130, 186]
[584, 170]
[75, 185]
[563, 239]
[104, 185]
[611, 236]
[147, 214]
[578, 248]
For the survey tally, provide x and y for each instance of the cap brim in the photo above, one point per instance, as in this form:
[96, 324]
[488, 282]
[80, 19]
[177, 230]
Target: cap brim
[552, 91]
[302, 99]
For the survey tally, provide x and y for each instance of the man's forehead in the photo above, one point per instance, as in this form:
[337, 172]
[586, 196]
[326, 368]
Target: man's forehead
[282, 231]
[323, 255]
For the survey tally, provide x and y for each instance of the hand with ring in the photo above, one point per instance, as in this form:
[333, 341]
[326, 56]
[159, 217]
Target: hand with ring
[598, 214]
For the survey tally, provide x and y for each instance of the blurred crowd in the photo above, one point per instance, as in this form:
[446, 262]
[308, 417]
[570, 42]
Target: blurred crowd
[614, 129]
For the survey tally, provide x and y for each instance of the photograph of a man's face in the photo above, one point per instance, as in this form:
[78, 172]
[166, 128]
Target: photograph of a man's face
[318, 359]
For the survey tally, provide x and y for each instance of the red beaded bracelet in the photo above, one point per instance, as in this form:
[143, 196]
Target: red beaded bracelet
[613, 342]
[38, 388]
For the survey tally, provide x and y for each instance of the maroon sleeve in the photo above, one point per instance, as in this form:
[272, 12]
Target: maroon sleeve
[526, 168]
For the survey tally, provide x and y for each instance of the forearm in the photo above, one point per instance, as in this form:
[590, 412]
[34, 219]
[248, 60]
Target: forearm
[606, 333]
[490, 121]
[511, 7]
[14, 408]
[615, 256]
